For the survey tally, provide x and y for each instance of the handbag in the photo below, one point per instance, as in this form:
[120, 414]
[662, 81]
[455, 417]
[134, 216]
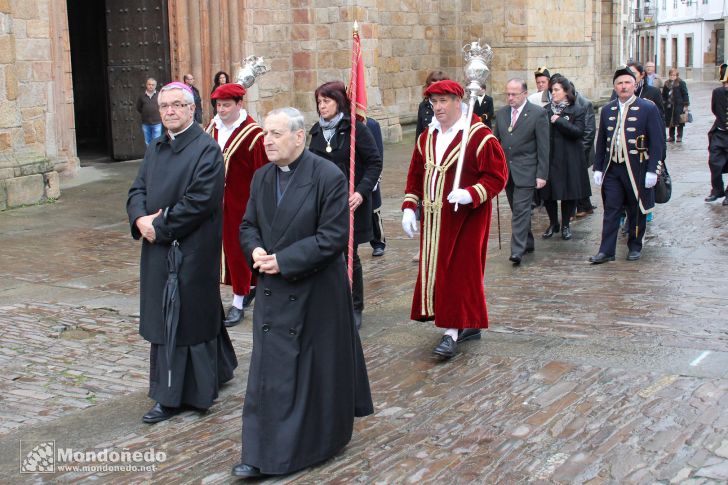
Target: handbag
[663, 188]
[690, 117]
[684, 118]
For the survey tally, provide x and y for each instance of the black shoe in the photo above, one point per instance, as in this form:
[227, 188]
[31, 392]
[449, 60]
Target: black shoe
[159, 413]
[241, 470]
[550, 231]
[600, 258]
[515, 258]
[468, 334]
[634, 256]
[530, 250]
[248, 299]
[378, 251]
[725, 201]
[234, 316]
[357, 319]
[566, 233]
[446, 348]
[712, 198]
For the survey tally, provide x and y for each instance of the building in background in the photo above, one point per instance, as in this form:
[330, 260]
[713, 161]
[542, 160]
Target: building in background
[687, 34]
[70, 70]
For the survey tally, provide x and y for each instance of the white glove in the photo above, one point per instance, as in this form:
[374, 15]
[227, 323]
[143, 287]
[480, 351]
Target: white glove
[598, 178]
[409, 222]
[650, 180]
[459, 196]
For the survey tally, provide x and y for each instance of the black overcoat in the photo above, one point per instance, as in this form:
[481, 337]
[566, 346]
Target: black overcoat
[675, 99]
[367, 167]
[307, 377]
[566, 156]
[184, 177]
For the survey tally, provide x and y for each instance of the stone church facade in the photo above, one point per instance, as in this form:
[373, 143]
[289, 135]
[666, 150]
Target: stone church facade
[70, 70]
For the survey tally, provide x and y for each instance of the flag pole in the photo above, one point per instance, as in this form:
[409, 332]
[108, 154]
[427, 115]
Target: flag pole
[352, 145]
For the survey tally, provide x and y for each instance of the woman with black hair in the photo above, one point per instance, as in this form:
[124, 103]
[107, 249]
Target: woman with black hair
[330, 139]
[566, 161]
[221, 77]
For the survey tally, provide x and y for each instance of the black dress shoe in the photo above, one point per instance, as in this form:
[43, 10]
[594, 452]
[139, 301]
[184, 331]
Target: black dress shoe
[600, 258]
[241, 470]
[159, 413]
[248, 299]
[712, 198]
[725, 201]
[234, 316]
[634, 255]
[550, 231]
[378, 251]
[468, 334]
[566, 233]
[446, 348]
[515, 258]
[530, 250]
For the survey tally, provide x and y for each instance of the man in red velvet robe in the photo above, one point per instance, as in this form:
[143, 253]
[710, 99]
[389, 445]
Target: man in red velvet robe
[453, 244]
[241, 141]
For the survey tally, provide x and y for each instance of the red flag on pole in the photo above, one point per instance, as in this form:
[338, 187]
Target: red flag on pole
[358, 99]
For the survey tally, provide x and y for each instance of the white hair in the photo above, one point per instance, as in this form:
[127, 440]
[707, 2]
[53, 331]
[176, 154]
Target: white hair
[295, 118]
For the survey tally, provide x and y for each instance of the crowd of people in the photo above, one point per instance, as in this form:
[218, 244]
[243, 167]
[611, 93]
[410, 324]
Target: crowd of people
[251, 206]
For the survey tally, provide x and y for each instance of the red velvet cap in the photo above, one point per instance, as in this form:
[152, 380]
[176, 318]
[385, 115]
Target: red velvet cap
[228, 91]
[445, 87]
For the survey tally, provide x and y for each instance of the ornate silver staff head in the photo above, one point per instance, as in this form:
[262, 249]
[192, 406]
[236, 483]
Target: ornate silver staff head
[477, 60]
[253, 67]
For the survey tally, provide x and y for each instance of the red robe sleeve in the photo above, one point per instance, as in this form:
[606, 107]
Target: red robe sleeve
[415, 176]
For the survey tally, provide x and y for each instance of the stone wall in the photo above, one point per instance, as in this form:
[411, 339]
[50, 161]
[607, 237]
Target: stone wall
[37, 139]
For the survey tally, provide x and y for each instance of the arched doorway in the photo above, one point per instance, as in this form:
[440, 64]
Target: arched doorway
[115, 47]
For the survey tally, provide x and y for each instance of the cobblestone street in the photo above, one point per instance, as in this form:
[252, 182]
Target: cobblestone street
[609, 374]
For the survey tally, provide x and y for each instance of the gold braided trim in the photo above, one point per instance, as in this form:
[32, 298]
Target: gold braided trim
[482, 193]
[223, 273]
[431, 225]
[233, 145]
[482, 144]
[210, 128]
[255, 139]
[411, 198]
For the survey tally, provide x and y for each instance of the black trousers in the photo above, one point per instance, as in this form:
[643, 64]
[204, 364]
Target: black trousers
[378, 241]
[718, 161]
[357, 285]
[671, 131]
[617, 194]
[567, 210]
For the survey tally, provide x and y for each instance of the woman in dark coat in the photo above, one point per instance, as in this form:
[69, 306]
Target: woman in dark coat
[676, 101]
[221, 77]
[567, 157]
[330, 139]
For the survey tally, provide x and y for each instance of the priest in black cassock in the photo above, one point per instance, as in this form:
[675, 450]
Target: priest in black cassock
[307, 378]
[177, 196]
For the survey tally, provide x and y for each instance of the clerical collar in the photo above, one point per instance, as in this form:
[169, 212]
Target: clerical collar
[172, 136]
[291, 166]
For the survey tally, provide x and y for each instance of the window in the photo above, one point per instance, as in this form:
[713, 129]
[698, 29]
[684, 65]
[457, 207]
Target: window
[674, 4]
[664, 4]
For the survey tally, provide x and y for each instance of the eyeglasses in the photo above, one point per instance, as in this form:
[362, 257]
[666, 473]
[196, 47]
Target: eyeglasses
[175, 106]
[512, 95]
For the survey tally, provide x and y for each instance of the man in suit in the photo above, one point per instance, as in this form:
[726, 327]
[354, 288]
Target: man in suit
[307, 380]
[523, 130]
[718, 139]
[483, 108]
[629, 145]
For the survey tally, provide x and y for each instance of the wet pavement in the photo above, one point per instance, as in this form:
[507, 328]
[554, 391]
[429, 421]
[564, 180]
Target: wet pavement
[615, 373]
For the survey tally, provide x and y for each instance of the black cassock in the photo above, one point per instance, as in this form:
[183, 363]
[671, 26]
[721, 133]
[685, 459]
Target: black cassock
[307, 379]
[184, 177]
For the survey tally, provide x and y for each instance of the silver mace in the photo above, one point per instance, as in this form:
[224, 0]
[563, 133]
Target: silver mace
[252, 68]
[476, 69]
